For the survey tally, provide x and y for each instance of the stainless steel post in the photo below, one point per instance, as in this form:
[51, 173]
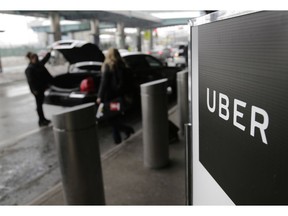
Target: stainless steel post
[189, 165]
[182, 99]
[155, 124]
[79, 156]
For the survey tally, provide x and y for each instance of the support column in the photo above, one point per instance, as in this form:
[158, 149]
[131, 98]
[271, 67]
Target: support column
[120, 36]
[0, 66]
[139, 40]
[151, 40]
[72, 35]
[55, 25]
[0, 58]
[95, 31]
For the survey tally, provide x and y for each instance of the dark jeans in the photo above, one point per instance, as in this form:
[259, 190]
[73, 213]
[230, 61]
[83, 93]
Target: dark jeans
[117, 127]
[39, 103]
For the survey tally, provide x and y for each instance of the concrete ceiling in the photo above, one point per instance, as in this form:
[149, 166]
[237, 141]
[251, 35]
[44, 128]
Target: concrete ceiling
[141, 19]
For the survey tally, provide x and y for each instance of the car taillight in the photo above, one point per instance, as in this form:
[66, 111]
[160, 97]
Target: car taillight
[87, 85]
[160, 52]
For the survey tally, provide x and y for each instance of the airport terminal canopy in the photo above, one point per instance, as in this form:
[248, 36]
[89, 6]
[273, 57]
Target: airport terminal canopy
[133, 19]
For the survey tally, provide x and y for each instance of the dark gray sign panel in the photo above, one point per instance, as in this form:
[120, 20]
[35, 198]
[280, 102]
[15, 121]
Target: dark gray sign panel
[243, 106]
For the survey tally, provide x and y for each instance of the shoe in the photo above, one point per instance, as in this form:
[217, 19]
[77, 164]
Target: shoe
[47, 121]
[117, 142]
[128, 134]
[44, 122]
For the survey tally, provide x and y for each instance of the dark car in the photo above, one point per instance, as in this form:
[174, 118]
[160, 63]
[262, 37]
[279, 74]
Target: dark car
[146, 68]
[161, 53]
[81, 82]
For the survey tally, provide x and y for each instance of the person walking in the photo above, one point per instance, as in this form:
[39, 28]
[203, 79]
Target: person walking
[38, 79]
[113, 85]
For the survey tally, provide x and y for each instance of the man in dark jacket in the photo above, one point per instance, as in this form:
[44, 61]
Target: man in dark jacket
[38, 79]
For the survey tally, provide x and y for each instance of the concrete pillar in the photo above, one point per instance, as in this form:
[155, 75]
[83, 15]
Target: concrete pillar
[151, 40]
[95, 31]
[55, 25]
[0, 65]
[120, 36]
[139, 40]
[0, 58]
[72, 35]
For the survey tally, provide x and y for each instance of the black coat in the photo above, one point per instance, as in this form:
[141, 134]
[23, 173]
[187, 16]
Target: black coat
[38, 76]
[113, 83]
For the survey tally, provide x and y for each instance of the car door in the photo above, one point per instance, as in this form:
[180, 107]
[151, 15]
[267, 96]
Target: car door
[145, 68]
[154, 69]
[158, 71]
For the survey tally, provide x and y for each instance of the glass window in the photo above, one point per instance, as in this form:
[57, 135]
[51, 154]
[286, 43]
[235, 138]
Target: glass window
[152, 62]
[135, 61]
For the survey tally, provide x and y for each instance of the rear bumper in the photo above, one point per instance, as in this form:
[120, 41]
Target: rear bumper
[68, 98]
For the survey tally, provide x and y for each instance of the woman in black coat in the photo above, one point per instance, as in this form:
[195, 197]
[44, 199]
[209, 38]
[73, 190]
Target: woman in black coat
[113, 85]
[38, 79]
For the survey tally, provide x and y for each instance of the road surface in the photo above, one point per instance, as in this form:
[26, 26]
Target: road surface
[28, 158]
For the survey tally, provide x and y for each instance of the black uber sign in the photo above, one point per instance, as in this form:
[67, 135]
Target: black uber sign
[243, 106]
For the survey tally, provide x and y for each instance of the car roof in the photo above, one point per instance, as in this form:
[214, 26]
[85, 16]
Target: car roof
[131, 53]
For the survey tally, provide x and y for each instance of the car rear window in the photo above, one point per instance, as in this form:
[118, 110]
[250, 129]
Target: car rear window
[142, 61]
[152, 62]
[135, 61]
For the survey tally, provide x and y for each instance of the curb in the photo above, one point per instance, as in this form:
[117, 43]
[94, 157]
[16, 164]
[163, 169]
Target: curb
[57, 189]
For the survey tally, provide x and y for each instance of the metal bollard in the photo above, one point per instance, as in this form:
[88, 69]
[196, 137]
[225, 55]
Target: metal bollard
[182, 99]
[155, 124]
[79, 156]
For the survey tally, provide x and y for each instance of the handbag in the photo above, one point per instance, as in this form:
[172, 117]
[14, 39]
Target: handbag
[110, 109]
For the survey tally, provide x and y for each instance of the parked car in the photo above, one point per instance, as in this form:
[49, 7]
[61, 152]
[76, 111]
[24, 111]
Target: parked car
[146, 68]
[161, 53]
[120, 51]
[179, 56]
[81, 82]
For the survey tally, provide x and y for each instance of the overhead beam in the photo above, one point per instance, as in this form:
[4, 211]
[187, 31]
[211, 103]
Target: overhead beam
[129, 18]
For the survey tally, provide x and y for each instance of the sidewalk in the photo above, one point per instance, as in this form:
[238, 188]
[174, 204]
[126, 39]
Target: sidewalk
[128, 182]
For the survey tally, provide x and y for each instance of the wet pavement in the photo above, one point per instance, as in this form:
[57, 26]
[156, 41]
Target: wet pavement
[28, 158]
[28, 166]
[127, 181]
